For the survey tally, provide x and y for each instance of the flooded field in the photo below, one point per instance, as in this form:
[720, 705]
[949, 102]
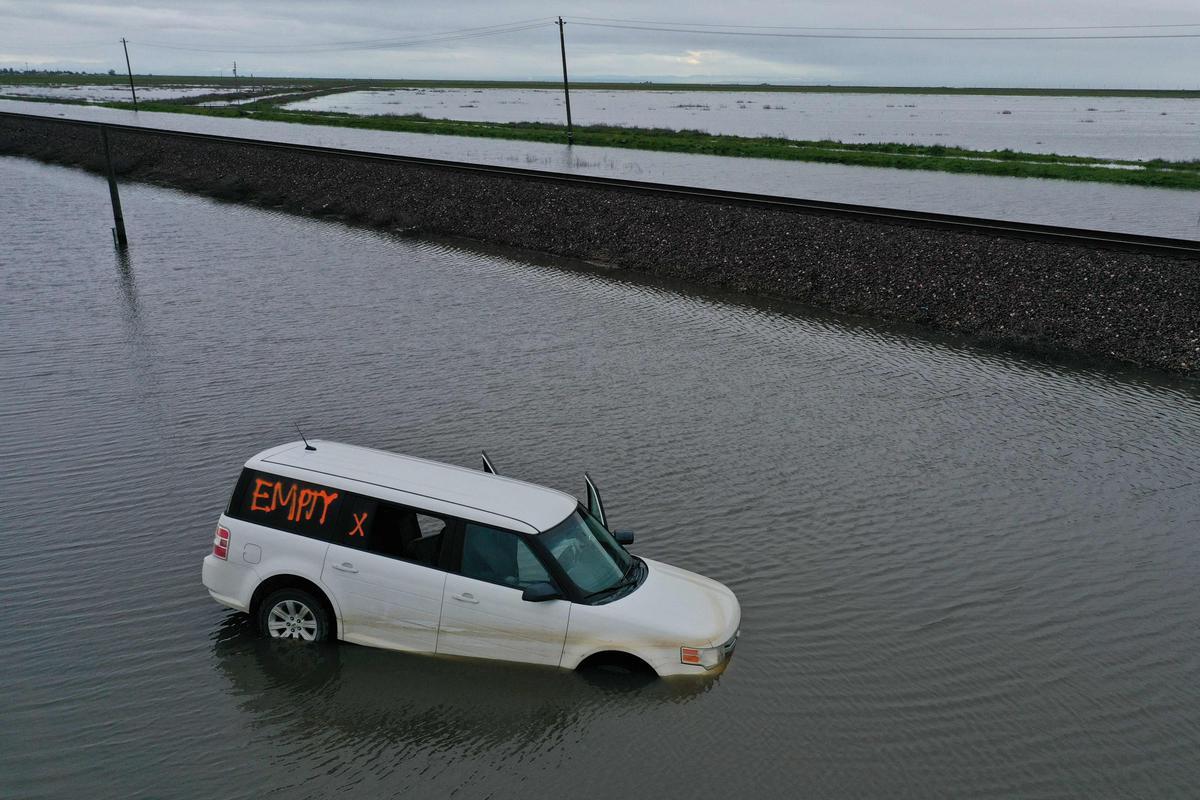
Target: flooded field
[1129, 209]
[963, 573]
[1106, 127]
[107, 93]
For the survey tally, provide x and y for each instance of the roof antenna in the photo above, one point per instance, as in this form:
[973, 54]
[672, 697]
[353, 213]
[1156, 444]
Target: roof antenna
[307, 446]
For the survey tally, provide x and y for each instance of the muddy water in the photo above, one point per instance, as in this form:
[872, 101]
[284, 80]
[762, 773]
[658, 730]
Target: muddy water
[1129, 209]
[963, 574]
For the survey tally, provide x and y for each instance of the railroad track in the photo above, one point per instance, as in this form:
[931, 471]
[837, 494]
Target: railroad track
[1158, 245]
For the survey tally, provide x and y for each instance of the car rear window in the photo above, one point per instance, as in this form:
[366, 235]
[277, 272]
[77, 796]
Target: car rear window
[291, 505]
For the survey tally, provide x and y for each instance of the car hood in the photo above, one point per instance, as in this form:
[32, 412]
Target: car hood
[684, 607]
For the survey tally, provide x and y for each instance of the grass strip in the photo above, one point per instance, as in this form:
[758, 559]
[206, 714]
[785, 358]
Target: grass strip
[931, 158]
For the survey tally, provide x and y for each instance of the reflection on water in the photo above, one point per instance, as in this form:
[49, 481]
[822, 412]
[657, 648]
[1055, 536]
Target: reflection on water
[962, 573]
[441, 718]
[419, 702]
[1128, 209]
[128, 285]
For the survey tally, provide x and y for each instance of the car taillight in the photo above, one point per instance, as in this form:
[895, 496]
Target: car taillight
[221, 543]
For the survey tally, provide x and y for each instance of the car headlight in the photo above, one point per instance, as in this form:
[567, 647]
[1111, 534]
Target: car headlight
[707, 657]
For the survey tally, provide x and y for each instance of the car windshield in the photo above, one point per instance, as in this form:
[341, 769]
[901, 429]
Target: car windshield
[587, 552]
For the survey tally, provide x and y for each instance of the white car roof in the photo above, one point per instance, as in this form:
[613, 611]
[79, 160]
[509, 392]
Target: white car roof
[538, 507]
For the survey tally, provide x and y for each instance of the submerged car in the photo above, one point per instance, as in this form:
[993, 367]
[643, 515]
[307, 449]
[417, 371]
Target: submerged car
[332, 541]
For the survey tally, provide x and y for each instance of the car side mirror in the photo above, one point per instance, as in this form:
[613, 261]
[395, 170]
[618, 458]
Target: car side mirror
[540, 592]
[624, 538]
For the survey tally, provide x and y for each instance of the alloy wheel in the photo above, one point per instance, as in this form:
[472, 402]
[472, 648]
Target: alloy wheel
[292, 619]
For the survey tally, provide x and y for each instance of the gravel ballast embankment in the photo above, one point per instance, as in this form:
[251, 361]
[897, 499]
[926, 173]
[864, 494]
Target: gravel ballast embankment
[1049, 296]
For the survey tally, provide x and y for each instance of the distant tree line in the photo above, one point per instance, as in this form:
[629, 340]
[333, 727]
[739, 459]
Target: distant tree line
[15, 71]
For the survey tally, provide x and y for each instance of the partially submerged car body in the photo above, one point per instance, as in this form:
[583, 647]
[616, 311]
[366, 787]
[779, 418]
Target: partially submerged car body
[327, 540]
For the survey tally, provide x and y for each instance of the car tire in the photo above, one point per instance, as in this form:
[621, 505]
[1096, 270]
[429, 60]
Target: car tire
[294, 614]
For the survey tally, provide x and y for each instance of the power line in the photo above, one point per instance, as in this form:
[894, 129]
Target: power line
[773, 34]
[773, 31]
[850, 28]
[93, 43]
[482, 28]
[380, 44]
[364, 44]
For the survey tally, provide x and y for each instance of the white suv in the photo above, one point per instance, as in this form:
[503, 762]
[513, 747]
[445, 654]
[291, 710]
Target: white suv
[328, 540]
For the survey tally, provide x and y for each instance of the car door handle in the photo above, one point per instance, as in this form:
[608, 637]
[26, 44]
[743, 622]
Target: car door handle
[345, 566]
[465, 597]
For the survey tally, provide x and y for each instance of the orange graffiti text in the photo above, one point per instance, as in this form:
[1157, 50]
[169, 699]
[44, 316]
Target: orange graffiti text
[301, 504]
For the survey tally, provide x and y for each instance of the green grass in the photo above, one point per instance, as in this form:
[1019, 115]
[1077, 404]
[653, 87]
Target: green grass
[935, 158]
[100, 79]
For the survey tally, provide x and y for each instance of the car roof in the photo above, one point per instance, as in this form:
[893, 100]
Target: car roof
[538, 507]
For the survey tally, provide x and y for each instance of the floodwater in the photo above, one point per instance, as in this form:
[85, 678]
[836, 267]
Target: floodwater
[1106, 127]
[107, 93]
[963, 573]
[1127, 209]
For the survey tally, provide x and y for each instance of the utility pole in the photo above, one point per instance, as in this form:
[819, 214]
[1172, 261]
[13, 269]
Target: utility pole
[236, 88]
[129, 69]
[562, 43]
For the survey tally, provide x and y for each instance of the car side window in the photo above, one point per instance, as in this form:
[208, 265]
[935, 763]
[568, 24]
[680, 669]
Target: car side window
[291, 505]
[500, 557]
[423, 537]
[356, 528]
[394, 531]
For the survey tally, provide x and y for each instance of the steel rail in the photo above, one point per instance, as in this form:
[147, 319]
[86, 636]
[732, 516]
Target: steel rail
[1025, 230]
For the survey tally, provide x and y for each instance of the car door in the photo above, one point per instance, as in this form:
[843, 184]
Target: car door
[595, 505]
[483, 613]
[385, 576]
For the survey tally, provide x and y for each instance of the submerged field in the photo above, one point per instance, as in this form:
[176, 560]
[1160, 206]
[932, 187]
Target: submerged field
[1157, 173]
[44, 79]
[1148, 139]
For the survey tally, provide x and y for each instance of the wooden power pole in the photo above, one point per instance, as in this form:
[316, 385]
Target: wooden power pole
[562, 43]
[129, 70]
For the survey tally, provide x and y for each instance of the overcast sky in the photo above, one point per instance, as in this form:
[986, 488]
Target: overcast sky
[84, 35]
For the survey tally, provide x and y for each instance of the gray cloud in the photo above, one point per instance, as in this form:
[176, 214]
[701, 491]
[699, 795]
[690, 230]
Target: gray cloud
[84, 35]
